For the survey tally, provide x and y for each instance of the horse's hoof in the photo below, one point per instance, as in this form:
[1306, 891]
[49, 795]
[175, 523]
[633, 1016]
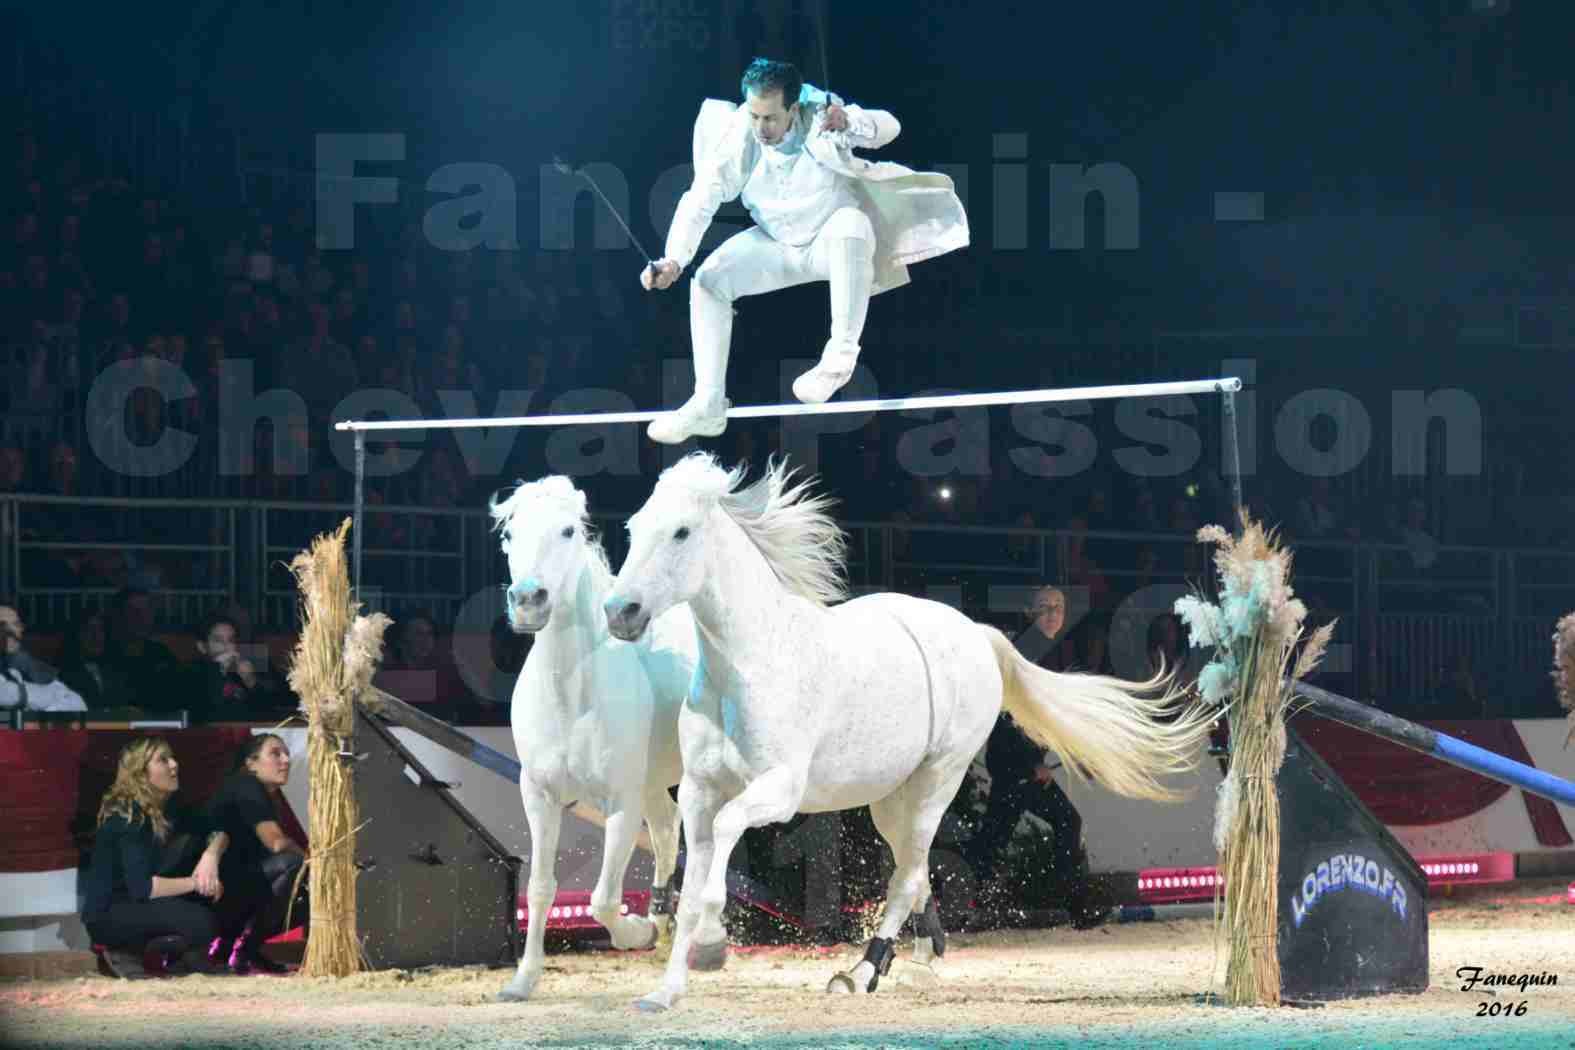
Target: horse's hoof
[841, 984]
[707, 957]
[519, 989]
[650, 1006]
[642, 938]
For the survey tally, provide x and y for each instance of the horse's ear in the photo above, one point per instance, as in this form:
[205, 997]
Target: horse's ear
[500, 505]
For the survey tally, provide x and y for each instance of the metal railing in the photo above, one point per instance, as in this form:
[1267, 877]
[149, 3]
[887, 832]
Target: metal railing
[1405, 631]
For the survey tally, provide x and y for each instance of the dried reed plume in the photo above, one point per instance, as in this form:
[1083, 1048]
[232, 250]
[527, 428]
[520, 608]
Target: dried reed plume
[334, 661]
[1255, 630]
[1564, 668]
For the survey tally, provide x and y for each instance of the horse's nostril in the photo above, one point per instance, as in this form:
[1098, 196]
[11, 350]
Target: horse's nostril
[631, 610]
[539, 596]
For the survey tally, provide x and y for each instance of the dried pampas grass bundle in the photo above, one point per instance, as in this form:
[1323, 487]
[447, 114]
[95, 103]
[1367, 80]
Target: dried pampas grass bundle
[334, 660]
[1564, 669]
[1255, 630]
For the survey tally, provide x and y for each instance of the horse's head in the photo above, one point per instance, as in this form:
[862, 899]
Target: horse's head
[798, 546]
[668, 539]
[545, 538]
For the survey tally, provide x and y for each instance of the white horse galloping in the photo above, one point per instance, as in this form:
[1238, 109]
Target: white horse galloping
[881, 701]
[595, 719]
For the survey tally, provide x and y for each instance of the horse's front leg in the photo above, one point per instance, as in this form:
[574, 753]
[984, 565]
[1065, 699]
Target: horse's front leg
[545, 818]
[772, 797]
[697, 804]
[628, 931]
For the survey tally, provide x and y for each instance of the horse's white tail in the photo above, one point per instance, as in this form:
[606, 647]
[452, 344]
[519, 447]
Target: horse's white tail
[1126, 735]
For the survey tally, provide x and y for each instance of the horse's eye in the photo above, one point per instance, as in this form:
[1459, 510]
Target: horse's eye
[682, 533]
[568, 531]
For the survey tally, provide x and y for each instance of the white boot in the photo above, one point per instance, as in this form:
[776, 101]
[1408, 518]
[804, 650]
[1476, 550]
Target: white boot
[705, 413]
[829, 375]
[852, 266]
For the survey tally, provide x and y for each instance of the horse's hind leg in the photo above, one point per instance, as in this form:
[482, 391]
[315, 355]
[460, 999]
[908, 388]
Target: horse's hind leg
[929, 940]
[913, 814]
[929, 936]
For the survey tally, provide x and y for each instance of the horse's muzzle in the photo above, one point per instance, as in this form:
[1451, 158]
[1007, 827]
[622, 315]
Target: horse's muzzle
[528, 607]
[626, 620]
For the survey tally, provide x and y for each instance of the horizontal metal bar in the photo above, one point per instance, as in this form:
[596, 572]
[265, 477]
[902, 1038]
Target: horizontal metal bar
[899, 404]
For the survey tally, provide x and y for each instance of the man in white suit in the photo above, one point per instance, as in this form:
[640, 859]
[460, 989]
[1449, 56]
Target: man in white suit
[821, 214]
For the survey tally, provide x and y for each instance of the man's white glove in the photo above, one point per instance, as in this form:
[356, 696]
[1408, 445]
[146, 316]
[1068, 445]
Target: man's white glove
[660, 275]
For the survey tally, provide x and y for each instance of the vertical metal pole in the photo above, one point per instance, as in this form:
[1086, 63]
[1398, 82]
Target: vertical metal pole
[1232, 452]
[357, 514]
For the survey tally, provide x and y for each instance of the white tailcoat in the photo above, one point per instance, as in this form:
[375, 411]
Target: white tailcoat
[916, 215]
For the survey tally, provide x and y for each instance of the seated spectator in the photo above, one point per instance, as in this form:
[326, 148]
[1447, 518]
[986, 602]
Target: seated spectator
[509, 649]
[260, 866]
[25, 681]
[1420, 543]
[418, 670]
[1145, 511]
[1041, 640]
[84, 669]
[150, 670]
[1086, 574]
[1167, 645]
[1023, 547]
[13, 468]
[1091, 640]
[222, 685]
[1316, 516]
[135, 903]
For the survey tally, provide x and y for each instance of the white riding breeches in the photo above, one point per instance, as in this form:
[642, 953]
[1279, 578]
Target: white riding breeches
[751, 263]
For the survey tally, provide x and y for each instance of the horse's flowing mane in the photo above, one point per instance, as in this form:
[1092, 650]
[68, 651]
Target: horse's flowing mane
[554, 491]
[788, 523]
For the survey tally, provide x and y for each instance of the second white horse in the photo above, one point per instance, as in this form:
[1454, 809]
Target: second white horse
[595, 719]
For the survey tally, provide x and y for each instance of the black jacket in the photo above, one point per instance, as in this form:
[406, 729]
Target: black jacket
[126, 856]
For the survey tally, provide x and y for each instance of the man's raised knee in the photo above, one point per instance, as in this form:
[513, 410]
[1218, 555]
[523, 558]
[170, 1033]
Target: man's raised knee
[849, 224]
[711, 279]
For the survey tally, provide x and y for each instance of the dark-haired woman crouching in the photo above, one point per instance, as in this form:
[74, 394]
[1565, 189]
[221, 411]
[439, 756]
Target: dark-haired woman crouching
[261, 863]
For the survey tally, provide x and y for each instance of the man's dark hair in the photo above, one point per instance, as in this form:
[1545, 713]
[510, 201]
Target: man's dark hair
[765, 76]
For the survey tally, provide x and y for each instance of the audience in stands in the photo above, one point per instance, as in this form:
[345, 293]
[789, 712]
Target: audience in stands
[149, 668]
[418, 668]
[221, 685]
[85, 669]
[26, 682]
[509, 649]
[98, 273]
